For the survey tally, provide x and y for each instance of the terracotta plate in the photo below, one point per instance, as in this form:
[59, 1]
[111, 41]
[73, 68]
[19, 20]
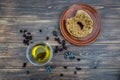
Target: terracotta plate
[70, 12]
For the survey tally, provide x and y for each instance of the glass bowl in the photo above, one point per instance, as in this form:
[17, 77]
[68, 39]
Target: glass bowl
[31, 57]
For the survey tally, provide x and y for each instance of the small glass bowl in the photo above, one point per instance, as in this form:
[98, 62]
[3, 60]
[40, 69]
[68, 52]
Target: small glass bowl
[30, 57]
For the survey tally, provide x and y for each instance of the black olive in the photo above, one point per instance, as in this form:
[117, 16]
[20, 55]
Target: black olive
[55, 51]
[95, 67]
[27, 43]
[24, 64]
[61, 74]
[40, 30]
[63, 42]
[25, 31]
[78, 68]
[75, 72]
[24, 35]
[64, 47]
[78, 59]
[56, 47]
[21, 31]
[29, 33]
[54, 33]
[29, 37]
[47, 38]
[59, 41]
[56, 39]
[60, 49]
[65, 67]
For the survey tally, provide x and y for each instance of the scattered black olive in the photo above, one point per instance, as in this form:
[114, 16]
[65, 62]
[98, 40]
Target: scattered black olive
[55, 51]
[54, 33]
[24, 35]
[25, 31]
[24, 64]
[27, 72]
[56, 39]
[27, 37]
[60, 49]
[78, 59]
[24, 41]
[47, 38]
[30, 37]
[75, 72]
[21, 31]
[78, 68]
[61, 74]
[64, 47]
[95, 67]
[65, 67]
[27, 43]
[29, 33]
[59, 42]
[63, 42]
[40, 30]
[56, 47]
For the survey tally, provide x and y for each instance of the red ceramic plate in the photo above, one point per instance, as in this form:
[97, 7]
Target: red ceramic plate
[70, 12]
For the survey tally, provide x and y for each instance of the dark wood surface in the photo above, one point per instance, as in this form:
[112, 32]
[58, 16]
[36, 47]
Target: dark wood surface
[44, 14]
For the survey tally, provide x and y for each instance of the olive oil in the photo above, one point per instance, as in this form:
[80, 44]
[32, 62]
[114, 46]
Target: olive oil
[41, 53]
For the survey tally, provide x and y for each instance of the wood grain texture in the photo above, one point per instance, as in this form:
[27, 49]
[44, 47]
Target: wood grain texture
[44, 14]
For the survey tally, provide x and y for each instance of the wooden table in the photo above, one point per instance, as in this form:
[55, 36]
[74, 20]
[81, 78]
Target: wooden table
[99, 60]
